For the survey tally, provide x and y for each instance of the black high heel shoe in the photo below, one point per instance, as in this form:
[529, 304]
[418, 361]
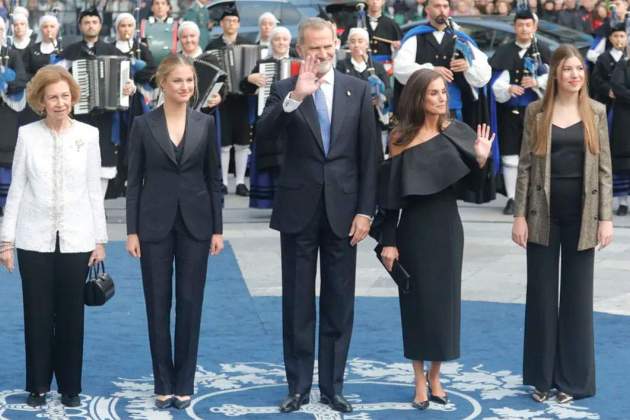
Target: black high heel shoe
[439, 399]
[420, 405]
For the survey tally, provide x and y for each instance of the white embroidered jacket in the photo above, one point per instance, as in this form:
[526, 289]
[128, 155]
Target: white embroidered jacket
[55, 187]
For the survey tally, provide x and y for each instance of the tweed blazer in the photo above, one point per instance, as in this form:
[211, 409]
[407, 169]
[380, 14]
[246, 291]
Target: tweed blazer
[533, 182]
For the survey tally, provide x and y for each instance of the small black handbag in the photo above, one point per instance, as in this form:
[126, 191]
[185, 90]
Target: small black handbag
[400, 276]
[99, 287]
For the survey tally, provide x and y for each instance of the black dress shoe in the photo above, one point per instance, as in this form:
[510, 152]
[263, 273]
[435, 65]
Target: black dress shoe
[622, 210]
[508, 210]
[161, 404]
[293, 402]
[181, 404]
[70, 400]
[337, 403]
[420, 405]
[36, 400]
[224, 189]
[241, 189]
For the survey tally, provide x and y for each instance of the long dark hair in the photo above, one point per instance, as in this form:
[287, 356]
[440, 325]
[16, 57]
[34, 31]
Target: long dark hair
[410, 107]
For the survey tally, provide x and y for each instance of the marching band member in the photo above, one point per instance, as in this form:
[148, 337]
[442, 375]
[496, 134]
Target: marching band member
[619, 142]
[12, 100]
[267, 159]
[89, 47]
[234, 111]
[601, 89]
[461, 63]
[519, 78]
[267, 22]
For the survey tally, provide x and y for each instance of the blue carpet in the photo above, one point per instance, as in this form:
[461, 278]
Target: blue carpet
[240, 369]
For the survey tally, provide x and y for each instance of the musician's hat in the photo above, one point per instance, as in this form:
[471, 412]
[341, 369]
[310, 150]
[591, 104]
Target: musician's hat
[525, 13]
[89, 12]
[230, 11]
[617, 27]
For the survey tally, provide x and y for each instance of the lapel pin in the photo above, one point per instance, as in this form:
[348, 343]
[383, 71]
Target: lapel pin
[348, 93]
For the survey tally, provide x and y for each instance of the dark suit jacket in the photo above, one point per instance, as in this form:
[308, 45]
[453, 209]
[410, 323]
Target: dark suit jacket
[157, 184]
[346, 178]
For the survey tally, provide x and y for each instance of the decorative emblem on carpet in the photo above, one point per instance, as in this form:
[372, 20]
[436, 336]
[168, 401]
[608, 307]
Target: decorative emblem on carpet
[251, 390]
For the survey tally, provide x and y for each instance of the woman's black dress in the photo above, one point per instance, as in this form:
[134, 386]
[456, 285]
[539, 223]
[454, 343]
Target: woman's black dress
[429, 236]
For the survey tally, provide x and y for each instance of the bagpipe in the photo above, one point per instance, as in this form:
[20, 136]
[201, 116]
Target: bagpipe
[7, 74]
[15, 101]
[377, 86]
[57, 42]
[137, 63]
[461, 46]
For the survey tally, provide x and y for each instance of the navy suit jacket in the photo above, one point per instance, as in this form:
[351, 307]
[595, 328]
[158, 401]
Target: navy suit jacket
[345, 179]
[157, 184]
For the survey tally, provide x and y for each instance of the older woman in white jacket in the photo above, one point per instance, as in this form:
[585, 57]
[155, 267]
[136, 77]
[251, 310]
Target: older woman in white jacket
[55, 218]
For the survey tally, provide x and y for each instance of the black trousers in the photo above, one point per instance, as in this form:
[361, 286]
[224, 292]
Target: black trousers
[336, 305]
[174, 375]
[559, 345]
[52, 289]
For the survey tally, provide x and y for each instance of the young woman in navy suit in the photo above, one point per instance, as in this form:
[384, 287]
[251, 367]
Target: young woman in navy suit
[174, 216]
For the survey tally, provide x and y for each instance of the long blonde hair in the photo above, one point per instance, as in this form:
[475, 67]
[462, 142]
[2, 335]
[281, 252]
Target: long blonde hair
[591, 138]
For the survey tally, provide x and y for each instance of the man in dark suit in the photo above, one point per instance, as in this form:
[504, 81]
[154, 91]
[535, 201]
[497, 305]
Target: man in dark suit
[325, 199]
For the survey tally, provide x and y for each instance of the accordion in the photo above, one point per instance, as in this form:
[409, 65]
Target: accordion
[237, 61]
[275, 70]
[101, 80]
[208, 75]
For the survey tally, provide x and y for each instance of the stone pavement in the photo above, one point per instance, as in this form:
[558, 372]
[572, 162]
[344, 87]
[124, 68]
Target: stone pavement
[494, 267]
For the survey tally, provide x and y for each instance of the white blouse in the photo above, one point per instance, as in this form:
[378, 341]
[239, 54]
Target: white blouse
[55, 187]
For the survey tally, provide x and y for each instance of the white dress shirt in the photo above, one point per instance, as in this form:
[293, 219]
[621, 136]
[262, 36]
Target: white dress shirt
[359, 66]
[616, 54]
[478, 74]
[328, 82]
[46, 47]
[123, 46]
[55, 187]
[501, 86]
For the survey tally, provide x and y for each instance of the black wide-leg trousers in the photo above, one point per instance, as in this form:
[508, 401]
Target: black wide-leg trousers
[559, 344]
[52, 290]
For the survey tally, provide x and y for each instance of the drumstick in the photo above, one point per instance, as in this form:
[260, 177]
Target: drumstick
[387, 41]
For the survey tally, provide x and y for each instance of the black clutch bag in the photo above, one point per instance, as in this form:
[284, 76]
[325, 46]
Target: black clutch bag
[99, 287]
[400, 276]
